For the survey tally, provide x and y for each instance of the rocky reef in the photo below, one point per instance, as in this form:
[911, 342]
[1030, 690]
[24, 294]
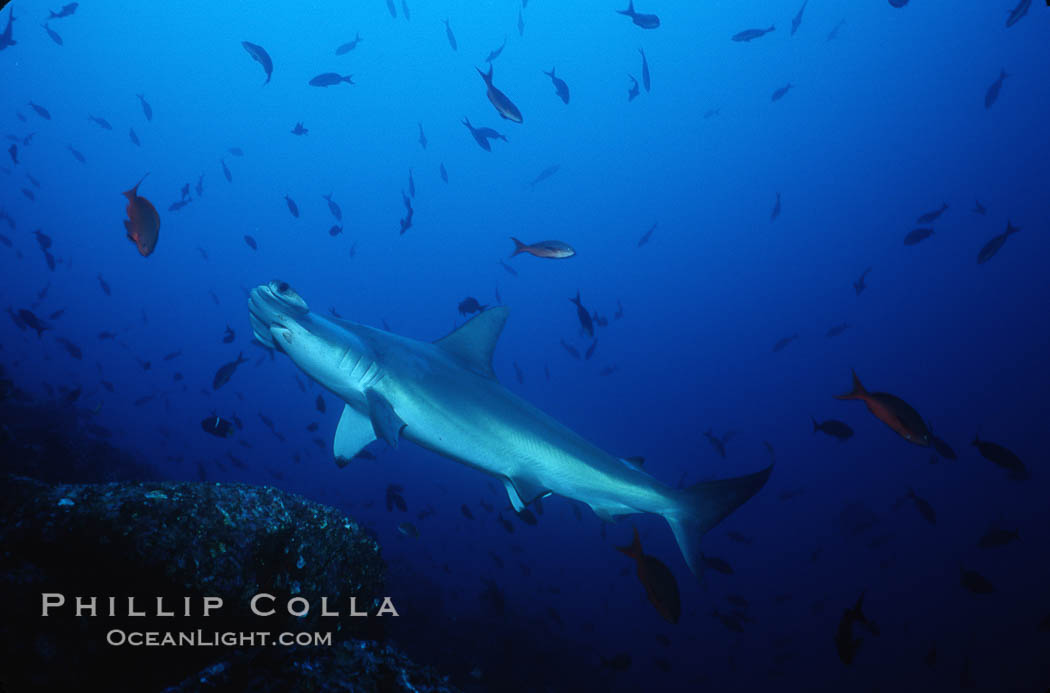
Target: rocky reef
[173, 548]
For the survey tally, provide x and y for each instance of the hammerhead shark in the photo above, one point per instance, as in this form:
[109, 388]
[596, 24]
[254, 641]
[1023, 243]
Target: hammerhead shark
[444, 396]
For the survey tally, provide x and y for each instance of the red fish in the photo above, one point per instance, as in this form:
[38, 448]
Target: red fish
[657, 579]
[143, 222]
[892, 411]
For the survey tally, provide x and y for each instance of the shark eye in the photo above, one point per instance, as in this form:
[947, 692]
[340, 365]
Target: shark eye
[282, 287]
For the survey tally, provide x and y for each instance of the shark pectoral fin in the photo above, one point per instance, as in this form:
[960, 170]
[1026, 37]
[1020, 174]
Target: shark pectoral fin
[522, 492]
[385, 421]
[353, 433]
[635, 462]
[473, 343]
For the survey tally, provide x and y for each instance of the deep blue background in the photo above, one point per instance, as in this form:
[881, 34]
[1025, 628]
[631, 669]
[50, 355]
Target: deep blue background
[883, 123]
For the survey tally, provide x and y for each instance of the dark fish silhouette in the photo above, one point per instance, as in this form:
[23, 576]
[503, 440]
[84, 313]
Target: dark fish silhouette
[978, 208]
[134, 138]
[443, 172]
[217, 426]
[13, 151]
[590, 350]
[924, 508]
[229, 335]
[781, 343]
[391, 9]
[7, 37]
[797, 19]
[299, 129]
[645, 71]
[76, 154]
[503, 105]
[752, 34]
[236, 151]
[292, 207]
[27, 318]
[544, 175]
[992, 247]
[101, 122]
[470, 305]
[480, 136]
[836, 330]
[496, 53]
[510, 270]
[975, 582]
[1002, 457]
[1017, 12]
[996, 538]
[52, 33]
[834, 33]
[992, 94]
[226, 371]
[833, 428]
[634, 89]
[942, 448]
[930, 217]
[327, 79]
[146, 108]
[560, 87]
[645, 21]
[411, 184]
[66, 11]
[892, 411]
[251, 242]
[260, 56]
[404, 10]
[916, 236]
[860, 285]
[320, 404]
[422, 136]
[226, 171]
[143, 222]
[571, 349]
[647, 235]
[583, 314]
[451, 37]
[846, 645]
[776, 209]
[104, 285]
[554, 250]
[898, 3]
[40, 110]
[521, 24]
[781, 92]
[660, 585]
[347, 47]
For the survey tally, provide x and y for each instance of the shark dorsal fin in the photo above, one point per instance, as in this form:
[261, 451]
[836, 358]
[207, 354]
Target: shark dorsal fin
[474, 341]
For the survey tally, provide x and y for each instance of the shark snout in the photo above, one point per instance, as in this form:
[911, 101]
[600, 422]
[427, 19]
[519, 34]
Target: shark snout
[272, 308]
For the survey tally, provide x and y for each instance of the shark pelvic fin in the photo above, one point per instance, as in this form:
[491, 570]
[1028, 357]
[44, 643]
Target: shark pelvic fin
[353, 433]
[473, 343]
[522, 492]
[385, 421]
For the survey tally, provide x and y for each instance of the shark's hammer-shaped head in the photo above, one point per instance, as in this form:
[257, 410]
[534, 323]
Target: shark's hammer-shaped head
[275, 311]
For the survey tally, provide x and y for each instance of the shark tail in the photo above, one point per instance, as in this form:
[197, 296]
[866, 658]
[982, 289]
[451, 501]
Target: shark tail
[703, 505]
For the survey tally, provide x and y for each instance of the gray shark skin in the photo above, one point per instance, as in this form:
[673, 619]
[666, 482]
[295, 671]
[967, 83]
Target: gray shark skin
[444, 396]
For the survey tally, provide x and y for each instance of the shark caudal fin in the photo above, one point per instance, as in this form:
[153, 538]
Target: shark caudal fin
[704, 505]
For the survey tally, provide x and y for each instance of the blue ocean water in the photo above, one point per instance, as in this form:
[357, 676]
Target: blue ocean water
[884, 122]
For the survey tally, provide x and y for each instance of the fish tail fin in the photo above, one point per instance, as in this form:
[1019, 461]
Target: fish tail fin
[858, 391]
[816, 426]
[519, 247]
[130, 194]
[702, 506]
[577, 299]
[634, 550]
[630, 8]
[1010, 228]
[1002, 73]
[976, 439]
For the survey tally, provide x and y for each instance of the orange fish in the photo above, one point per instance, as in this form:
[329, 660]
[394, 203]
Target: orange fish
[143, 222]
[657, 579]
[892, 411]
